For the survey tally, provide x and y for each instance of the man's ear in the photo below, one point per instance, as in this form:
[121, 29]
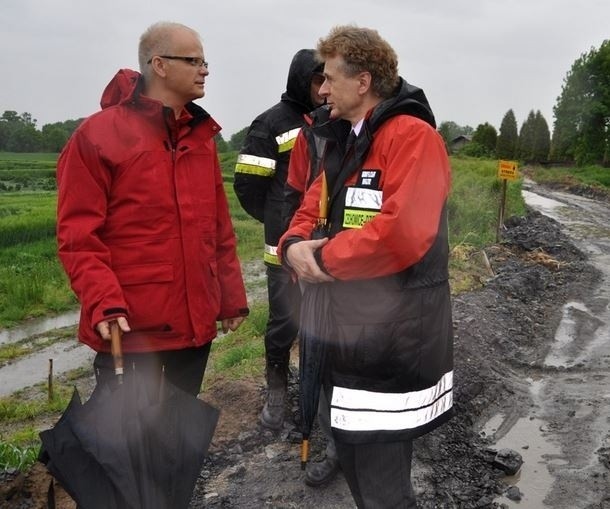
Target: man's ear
[159, 66]
[364, 82]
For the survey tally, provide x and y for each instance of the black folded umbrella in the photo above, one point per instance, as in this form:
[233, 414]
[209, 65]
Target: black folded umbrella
[127, 449]
[66, 460]
[314, 333]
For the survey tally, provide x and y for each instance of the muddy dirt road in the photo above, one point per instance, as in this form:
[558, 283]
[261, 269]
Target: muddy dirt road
[567, 425]
[532, 352]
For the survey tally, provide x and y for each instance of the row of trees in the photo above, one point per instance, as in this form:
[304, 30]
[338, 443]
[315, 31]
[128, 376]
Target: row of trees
[530, 144]
[581, 132]
[18, 133]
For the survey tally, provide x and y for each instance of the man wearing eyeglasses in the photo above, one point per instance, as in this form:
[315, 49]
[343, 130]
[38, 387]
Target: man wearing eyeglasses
[143, 224]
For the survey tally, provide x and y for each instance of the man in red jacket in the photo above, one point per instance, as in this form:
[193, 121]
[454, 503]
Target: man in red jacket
[143, 223]
[384, 261]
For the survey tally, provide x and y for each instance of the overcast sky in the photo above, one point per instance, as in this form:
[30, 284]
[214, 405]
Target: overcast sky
[475, 59]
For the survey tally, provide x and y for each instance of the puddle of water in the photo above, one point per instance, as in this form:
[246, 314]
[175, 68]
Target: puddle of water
[533, 479]
[492, 425]
[34, 369]
[544, 205]
[38, 326]
[558, 355]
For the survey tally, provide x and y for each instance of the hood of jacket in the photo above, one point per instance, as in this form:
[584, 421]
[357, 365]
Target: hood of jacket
[298, 85]
[122, 88]
[408, 100]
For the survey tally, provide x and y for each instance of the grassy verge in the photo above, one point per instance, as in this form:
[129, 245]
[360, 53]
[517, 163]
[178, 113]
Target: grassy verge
[595, 179]
[21, 415]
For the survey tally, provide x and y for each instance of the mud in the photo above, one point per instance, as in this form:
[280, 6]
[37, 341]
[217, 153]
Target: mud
[532, 375]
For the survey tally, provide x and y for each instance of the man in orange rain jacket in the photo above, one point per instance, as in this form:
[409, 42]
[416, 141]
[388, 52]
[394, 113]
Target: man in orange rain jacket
[385, 259]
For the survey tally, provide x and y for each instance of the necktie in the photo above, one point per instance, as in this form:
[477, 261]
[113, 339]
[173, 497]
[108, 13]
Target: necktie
[351, 139]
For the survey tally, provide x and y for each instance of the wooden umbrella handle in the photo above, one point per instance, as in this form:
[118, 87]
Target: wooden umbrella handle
[116, 349]
[304, 453]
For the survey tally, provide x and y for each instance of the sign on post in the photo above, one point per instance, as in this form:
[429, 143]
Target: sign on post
[507, 170]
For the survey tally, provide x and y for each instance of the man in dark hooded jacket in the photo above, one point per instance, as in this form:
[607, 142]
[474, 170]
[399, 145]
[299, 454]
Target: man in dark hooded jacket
[260, 175]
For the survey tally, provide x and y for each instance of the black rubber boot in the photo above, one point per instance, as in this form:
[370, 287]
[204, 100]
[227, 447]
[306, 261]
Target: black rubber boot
[321, 472]
[272, 416]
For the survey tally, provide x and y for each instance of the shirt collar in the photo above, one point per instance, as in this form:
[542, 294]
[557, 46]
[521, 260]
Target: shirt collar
[358, 127]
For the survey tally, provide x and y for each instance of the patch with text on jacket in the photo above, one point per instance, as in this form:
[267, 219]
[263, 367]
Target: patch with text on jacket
[363, 201]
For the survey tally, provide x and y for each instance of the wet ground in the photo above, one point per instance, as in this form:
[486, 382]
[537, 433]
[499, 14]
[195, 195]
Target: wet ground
[532, 373]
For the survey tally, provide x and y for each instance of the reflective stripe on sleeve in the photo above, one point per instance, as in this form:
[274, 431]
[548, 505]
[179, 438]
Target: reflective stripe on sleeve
[358, 410]
[285, 141]
[270, 255]
[255, 165]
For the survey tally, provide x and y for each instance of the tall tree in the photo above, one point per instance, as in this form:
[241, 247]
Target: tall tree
[24, 138]
[486, 136]
[54, 138]
[508, 139]
[527, 135]
[237, 139]
[581, 132]
[221, 144]
[542, 139]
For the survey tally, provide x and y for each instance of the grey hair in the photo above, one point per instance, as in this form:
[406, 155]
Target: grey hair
[157, 40]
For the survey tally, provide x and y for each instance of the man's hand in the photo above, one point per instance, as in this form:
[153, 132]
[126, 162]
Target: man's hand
[103, 327]
[232, 323]
[300, 257]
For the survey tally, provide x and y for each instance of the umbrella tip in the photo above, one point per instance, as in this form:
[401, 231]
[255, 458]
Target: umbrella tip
[303, 464]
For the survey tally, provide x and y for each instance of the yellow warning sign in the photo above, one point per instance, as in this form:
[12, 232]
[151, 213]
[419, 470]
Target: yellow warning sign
[507, 170]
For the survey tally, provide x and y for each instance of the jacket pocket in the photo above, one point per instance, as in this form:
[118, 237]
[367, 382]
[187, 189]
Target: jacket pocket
[150, 293]
[145, 273]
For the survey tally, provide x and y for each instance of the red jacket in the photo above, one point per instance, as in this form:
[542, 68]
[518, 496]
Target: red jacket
[414, 179]
[143, 223]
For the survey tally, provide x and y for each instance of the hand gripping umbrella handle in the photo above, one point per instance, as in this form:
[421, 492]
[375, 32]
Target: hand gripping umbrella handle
[116, 350]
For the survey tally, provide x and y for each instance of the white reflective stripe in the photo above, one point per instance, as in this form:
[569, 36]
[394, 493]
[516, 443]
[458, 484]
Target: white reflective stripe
[363, 198]
[287, 136]
[363, 420]
[263, 162]
[272, 250]
[359, 410]
[389, 401]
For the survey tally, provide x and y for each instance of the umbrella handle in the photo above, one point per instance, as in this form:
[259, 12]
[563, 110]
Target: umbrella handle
[116, 350]
[304, 453]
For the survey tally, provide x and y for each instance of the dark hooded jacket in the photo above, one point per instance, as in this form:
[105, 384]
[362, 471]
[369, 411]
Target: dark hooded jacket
[262, 164]
[143, 223]
[391, 357]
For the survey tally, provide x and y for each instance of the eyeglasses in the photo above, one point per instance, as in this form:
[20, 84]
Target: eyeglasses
[194, 61]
